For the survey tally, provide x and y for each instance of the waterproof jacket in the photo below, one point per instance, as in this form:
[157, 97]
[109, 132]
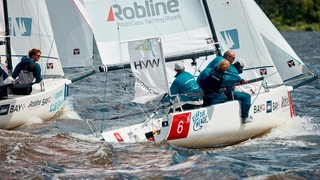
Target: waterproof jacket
[215, 62]
[212, 80]
[30, 65]
[232, 70]
[3, 74]
[185, 84]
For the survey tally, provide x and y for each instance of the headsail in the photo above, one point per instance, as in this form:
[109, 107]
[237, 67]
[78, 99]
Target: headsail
[73, 34]
[148, 66]
[243, 27]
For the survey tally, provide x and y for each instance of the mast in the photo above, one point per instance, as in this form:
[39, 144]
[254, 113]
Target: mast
[7, 34]
[213, 31]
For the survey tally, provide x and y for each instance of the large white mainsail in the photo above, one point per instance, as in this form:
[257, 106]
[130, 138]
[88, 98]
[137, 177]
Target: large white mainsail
[181, 25]
[31, 28]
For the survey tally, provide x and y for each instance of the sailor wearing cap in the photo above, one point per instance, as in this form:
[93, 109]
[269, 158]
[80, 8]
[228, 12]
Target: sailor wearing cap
[188, 90]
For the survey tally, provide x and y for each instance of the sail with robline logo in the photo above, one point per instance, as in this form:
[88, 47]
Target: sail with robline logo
[115, 23]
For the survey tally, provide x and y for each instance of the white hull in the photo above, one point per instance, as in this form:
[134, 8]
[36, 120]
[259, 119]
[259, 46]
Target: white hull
[17, 110]
[213, 126]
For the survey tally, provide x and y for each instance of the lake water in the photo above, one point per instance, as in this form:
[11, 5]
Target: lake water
[64, 148]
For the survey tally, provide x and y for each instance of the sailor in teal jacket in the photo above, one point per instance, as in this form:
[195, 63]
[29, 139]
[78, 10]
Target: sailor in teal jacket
[188, 89]
[244, 98]
[214, 81]
[230, 56]
[215, 62]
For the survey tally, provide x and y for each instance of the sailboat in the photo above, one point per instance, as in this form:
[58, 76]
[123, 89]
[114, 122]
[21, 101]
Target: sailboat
[29, 24]
[146, 33]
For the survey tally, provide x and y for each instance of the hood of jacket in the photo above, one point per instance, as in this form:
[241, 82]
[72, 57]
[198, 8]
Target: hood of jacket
[25, 59]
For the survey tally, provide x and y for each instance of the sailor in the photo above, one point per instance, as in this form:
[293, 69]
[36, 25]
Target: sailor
[184, 85]
[27, 70]
[213, 82]
[239, 65]
[231, 94]
[26, 73]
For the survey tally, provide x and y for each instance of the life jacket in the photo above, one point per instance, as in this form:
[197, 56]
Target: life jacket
[213, 82]
[27, 73]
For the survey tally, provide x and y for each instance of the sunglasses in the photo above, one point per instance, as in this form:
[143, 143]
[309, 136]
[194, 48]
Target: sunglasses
[232, 57]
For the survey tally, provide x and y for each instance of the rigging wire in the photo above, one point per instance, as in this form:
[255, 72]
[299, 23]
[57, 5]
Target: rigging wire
[104, 101]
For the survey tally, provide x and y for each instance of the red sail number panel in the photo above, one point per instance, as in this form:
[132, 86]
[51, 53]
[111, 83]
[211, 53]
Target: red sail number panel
[180, 126]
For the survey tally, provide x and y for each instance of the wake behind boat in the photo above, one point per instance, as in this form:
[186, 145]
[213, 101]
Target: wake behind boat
[177, 31]
[27, 25]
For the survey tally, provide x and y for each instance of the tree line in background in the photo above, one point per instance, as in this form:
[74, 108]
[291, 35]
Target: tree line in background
[293, 15]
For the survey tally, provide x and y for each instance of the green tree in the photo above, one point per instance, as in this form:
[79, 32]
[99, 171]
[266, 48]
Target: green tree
[293, 14]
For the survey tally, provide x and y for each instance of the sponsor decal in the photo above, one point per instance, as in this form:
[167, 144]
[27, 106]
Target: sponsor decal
[76, 51]
[138, 11]
[17, 108]
[57, 101]
[284, 102]
[209, 40]
[291, 63]
[146, 87]
[263, 72]
[21, 26]
[38, 102]
[259, 108]
[180, 126]
[4, 109]
[147, 12]
[49, 65]
[269, 106]
[34, 103]
[118, 137]
[147, 63]
[199, 119]
[231, 38]
[45, 101]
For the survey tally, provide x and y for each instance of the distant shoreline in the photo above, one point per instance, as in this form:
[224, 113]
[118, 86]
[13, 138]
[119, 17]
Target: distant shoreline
[301, 27]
